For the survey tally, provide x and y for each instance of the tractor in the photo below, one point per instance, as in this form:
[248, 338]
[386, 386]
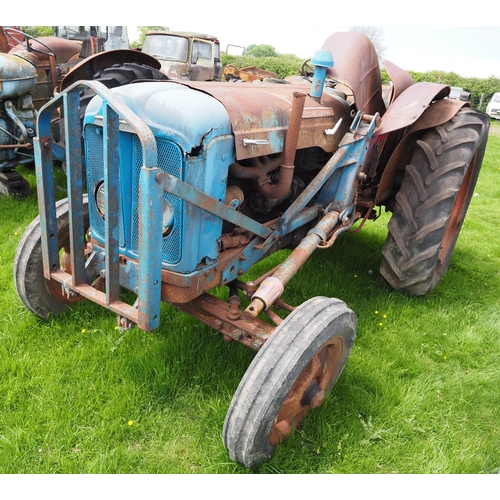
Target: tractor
[33, 70]
[188, 185]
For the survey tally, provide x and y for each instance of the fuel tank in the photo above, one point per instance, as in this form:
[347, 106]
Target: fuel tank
[17, 76]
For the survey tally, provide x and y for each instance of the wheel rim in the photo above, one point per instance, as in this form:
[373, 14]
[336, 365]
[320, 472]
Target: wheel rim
[458, 213]
[308, 391]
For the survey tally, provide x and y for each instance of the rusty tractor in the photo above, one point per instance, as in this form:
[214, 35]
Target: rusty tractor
[190, 184]
[33, 70]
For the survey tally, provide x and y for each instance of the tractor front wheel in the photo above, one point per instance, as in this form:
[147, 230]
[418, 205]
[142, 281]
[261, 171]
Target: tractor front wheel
[39, 295]
[432, 202]
[291, 374]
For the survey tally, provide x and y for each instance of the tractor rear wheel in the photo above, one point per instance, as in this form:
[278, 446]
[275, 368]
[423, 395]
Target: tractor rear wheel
[290, 375]
[432, 202]
[119, 75]
[39, 295]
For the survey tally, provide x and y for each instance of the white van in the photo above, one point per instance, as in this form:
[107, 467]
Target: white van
[493, 107]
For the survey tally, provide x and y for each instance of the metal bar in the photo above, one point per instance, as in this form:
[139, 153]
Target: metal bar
[287, 270]
[46, 204]
[72, 138]
[150, 237]
[15, 146]
[213, 206]
[256, 249]
[111, 202]
[146, 315]
[87, 291]
[289, 267]
[214, 312]
[336, 161]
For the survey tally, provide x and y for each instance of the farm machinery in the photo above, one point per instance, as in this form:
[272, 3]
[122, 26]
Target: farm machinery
[188, 185]
[33, 70]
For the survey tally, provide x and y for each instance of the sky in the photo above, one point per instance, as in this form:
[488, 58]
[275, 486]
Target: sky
[433, 36]
[470, 51]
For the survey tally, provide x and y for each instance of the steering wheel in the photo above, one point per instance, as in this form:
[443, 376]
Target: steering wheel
[306, 69]
[29, 48]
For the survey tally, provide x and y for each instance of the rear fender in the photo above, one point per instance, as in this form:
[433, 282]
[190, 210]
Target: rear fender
[86, 69]
[434, 115]
[355, 65]
[400, 79]
[410, 105]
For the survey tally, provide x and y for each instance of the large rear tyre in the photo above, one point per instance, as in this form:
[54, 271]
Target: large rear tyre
[290, 375]
[119, 75]
[40, 296]
[432, 202]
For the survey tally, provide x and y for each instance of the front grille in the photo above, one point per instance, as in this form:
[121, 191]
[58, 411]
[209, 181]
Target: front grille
[170, 160]
[95, 174]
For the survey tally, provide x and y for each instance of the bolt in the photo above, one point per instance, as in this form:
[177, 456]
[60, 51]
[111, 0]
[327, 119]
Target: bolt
[257, 345]
[237, 335]
[159, 177]
[217, 324]
[317, 400]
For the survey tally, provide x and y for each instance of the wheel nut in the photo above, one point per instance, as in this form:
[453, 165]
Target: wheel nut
[317, 399]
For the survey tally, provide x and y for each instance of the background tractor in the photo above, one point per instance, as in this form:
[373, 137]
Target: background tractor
[33, 70]
[189, 184]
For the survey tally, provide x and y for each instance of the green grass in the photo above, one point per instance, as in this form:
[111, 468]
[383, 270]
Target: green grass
[420, 393]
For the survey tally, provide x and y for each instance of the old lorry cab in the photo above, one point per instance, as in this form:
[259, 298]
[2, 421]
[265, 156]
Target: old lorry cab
[185, 55]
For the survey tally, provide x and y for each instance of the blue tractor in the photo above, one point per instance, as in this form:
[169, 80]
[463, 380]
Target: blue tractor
[33, 70]
[179, 188]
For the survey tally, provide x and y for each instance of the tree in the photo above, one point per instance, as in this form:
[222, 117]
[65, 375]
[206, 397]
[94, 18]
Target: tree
[261, 51]
[37, 31]
[144, 29]
[377, 36]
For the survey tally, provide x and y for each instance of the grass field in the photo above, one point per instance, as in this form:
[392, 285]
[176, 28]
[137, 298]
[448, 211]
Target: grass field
[420, 393]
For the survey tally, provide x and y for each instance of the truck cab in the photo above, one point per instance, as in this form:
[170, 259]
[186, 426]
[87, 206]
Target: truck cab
[107, 37]
[185, 55]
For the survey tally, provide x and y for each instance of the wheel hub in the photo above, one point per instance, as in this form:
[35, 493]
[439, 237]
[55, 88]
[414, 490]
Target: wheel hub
[308, 391]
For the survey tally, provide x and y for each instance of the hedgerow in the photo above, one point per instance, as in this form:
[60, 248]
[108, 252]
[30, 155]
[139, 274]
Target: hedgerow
[284, 65]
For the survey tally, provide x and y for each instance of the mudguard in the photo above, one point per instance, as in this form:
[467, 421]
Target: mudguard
[86, 69]
[410, 105]
[400, 79]
[433, 115]
[356, 65]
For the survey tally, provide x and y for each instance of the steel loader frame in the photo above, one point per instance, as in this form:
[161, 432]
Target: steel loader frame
[335, 184]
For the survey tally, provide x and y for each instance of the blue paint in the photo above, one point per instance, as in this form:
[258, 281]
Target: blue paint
[194, 147]
[322, 60]
[150, 205]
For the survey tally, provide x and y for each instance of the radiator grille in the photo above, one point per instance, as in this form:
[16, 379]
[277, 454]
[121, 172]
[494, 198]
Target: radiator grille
[95, 174]
[170, 161]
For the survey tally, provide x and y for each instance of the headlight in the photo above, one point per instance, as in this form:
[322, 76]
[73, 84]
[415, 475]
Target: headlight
[99, 197]
[168, 218]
